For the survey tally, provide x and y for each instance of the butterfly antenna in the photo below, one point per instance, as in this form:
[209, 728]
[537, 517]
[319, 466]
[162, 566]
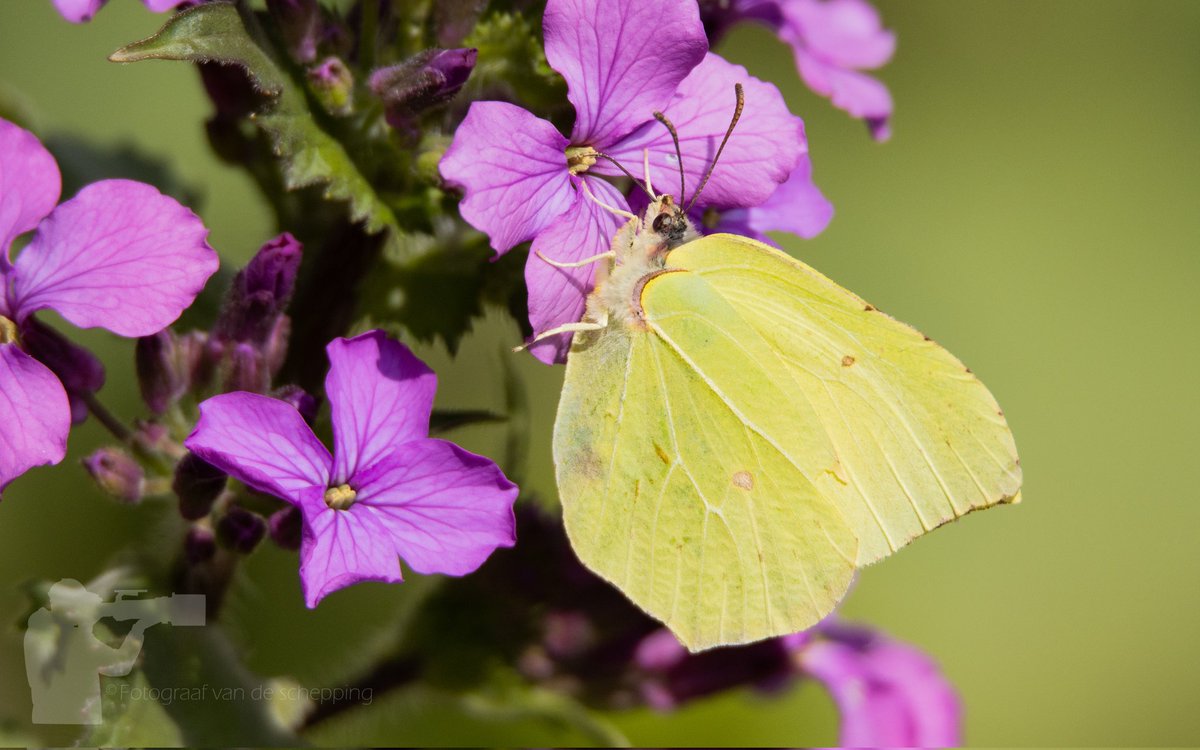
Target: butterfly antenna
[628, 174]
[737, 115]
[678, 152]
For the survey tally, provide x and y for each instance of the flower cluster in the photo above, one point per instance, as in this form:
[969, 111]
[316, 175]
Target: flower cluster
[426, 103]
[523, 180]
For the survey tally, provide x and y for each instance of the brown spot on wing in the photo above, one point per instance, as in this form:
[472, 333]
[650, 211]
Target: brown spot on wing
[847, 361]
[662, 454]
[743, 479]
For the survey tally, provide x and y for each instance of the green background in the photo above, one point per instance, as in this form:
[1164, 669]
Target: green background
[1037, 212]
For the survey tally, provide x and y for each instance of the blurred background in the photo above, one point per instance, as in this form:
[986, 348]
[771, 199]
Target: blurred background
[1037, 212]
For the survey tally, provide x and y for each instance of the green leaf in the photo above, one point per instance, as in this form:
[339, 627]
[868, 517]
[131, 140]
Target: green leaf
[310, 154]
[506, 714]
[131, 719]
[208, 33]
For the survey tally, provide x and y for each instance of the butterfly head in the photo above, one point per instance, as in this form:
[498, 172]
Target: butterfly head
[669, 221]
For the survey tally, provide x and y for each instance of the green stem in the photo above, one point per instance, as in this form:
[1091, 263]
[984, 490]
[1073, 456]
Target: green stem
[106, 418]
[369, 33]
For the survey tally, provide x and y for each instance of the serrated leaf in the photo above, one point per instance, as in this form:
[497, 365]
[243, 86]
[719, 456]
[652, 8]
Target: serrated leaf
[309, 154]
[208, 33]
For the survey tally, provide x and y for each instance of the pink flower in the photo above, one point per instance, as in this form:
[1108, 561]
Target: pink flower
[622, 60]
[119, 255]
[388, 491]
[832, 41]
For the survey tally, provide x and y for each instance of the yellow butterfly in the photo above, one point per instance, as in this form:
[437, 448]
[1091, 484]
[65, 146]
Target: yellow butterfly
[737, 433]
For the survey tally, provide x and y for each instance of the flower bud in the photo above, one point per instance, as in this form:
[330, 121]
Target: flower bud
[261, 292]
[275, 348]
[79, 370]
[163, 375]
[152, 438]
[421, 82]
[244, 370]
[240, 530]
[199, 545]
[332, 83]
[200, 355]
[117, 473]
[300, 23]
[304, 402]
[286, 528]
[198, 484]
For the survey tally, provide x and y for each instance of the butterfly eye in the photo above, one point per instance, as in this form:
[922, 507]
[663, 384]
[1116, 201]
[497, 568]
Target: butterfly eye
[660, 222]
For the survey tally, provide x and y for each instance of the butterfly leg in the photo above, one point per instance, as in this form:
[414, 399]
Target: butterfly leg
[618, 211]
[583, 325]
[578, 263]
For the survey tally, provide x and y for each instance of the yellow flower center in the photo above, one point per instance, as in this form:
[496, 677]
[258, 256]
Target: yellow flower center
[579, 158]
[341, 497]
[8, 331]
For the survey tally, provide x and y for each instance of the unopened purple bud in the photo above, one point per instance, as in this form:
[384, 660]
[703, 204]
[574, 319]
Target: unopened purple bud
[244, 370]
[199, 545]
[163, 373]
[198, 484]
[300, 23]
[567, 634]
[304, 402]
[659, 651]
[421, 82]
[240, 530]
[333, 85]
[79, 370]
[275, 348]
[286, 528]
[261, 291]
[152, 438]
[201, 356]
[117, 473]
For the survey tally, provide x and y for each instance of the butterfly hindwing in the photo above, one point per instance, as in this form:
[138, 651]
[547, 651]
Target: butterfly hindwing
[918, 438]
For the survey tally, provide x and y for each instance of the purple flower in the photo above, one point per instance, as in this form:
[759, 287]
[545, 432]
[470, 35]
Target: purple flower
[119, 255]
[889, 694]
[388, 490]
[622, 60]
[832, 41]
[80, 11]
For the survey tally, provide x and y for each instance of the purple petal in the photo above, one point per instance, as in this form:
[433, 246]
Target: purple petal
[262, 442]
[797, 206]
[162, 6]
[341, 547]
[29, 185]
[34, 415]
[78, 11]
[80, 372]
[761, 153]
[381, 396]
[622, 60]
[858, 94]
[512, 168]
[119, 255]
[558, 295]
[930, 701]
[444, 510]
[844, 33]
[888, 694]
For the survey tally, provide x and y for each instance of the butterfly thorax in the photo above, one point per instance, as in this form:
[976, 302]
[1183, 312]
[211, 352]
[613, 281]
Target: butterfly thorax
[641, 249]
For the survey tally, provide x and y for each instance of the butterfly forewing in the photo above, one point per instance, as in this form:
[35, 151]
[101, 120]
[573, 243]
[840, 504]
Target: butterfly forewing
[919, 440]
